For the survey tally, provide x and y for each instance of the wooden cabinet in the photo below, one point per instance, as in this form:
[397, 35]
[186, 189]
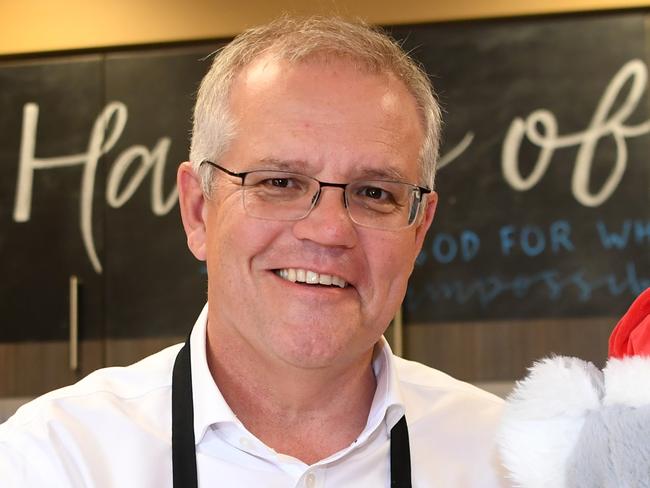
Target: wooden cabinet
[51, 220]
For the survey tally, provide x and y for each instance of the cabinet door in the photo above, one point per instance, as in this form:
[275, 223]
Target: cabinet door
[51, 220]
[154, 287]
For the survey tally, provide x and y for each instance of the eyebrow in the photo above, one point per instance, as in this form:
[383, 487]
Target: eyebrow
[385, 173]
[295, 165]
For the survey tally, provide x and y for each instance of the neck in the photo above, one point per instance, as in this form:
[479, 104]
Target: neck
[307, 413]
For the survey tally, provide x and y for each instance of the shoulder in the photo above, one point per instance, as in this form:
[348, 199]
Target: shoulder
[452, 426]
[111, 404]
[426, 390]
[105, 386]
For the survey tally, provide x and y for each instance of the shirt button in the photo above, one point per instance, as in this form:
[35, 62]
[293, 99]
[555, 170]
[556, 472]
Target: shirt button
[310, 481]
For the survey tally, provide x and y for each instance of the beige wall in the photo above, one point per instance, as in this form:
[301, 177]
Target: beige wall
[45, 25]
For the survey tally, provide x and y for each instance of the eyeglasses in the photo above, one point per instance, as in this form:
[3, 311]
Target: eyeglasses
[283, 195]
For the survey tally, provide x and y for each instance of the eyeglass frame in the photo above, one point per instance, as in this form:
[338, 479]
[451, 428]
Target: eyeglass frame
[321, 184]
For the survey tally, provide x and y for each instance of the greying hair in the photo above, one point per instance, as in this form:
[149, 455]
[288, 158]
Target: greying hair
[295, 40]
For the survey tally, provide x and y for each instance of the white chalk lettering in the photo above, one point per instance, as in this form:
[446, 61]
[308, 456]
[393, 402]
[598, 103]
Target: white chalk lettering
[456, 151]
[104, 135]
[156, 159]
[602, 124]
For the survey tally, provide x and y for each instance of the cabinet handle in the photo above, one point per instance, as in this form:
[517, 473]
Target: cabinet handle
[74, 323]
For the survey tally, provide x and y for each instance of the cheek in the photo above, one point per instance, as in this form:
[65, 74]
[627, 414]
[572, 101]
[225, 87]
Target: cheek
[235, 239]
[390, 262]
[393, 254]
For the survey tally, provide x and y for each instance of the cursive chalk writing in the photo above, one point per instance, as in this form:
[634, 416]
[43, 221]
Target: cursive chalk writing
[485, 290]
[603, 123]
[103, 137]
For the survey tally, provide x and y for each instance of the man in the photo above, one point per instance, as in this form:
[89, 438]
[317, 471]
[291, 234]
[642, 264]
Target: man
[308, 196]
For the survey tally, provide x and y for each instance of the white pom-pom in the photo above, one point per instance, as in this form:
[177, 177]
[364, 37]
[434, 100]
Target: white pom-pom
[543, 419]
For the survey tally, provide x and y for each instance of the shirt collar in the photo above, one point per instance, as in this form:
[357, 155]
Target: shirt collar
[387, 404]
[211, 408]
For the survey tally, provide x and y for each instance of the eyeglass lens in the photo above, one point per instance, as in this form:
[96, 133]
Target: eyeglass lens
[277, 195]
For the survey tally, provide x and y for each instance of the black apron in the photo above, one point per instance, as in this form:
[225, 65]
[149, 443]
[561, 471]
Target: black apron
[184, 448]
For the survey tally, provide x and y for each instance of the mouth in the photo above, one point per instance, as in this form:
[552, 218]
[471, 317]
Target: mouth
[299, 275]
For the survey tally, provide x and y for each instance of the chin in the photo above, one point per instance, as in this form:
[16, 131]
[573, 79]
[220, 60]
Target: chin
[323, 350]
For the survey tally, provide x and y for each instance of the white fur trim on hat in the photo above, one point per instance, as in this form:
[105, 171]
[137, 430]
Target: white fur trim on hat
[627, 381]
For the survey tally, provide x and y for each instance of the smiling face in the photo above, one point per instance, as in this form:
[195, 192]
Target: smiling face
[332, 121]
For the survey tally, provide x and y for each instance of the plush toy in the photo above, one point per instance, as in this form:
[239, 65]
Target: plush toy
[570, 425]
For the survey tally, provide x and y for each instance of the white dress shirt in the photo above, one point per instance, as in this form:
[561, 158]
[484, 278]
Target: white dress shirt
[113, 429]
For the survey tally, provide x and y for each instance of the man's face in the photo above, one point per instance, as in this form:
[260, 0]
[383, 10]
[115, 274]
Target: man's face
[335, 123]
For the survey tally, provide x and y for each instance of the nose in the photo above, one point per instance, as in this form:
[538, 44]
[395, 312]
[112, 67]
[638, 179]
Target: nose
[328, 223]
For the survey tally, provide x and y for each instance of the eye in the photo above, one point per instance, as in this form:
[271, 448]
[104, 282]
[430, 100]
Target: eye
[280, 182]
[375, 193]
[284, 183]
[383, 197]
[274, 182]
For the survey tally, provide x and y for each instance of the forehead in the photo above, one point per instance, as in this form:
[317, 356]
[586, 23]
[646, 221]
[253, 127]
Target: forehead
[319, 110]
[270, 75]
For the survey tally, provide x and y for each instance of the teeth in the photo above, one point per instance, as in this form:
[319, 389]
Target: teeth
[325, 279]
[300, 275]
[310, 277]
[338, 281]
[292, 275]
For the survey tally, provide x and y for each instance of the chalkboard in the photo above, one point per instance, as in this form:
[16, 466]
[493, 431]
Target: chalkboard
[154, 286]
[516, 236]
[106, 133]
[545, 180]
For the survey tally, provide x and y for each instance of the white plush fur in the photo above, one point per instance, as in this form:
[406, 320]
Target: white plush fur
[567, 425]
[613, 450]
[543, 419]
[627, 382]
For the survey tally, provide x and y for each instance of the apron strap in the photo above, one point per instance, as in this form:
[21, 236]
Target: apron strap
[400, 455]
[183, 445]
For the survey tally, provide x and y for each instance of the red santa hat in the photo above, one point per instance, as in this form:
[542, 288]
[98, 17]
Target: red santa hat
[631, 336]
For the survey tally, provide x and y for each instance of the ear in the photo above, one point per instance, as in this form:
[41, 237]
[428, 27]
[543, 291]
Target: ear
[425, 220]
[191, 201]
